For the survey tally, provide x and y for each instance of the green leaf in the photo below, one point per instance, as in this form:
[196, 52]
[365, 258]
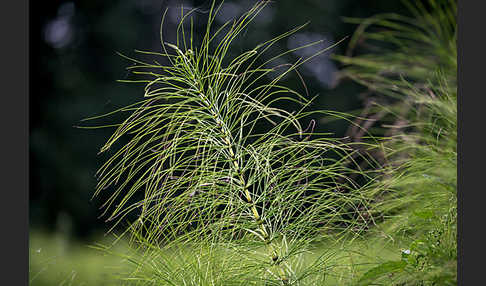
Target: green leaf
[380, 270]
[424, 214]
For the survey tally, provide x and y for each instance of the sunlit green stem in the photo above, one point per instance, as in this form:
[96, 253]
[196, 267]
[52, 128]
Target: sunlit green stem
[242, 184]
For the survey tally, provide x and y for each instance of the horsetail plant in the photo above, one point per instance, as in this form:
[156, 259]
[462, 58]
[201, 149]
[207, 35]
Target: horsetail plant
[411, 72]
[213, 165]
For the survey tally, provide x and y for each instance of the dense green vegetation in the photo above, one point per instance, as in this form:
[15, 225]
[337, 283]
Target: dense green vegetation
[230, 189]
[413, 89]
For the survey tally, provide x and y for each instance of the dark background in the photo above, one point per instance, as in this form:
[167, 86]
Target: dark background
[74, 68]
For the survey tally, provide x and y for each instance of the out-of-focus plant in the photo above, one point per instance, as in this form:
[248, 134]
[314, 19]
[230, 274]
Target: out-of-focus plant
[410, 69]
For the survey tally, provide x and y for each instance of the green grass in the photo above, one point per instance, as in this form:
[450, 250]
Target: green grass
[56, 259]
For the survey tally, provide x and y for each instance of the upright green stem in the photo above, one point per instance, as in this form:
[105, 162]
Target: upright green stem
[242, 184]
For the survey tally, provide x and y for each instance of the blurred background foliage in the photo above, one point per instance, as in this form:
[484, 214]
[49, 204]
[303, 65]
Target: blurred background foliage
[74, 68]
